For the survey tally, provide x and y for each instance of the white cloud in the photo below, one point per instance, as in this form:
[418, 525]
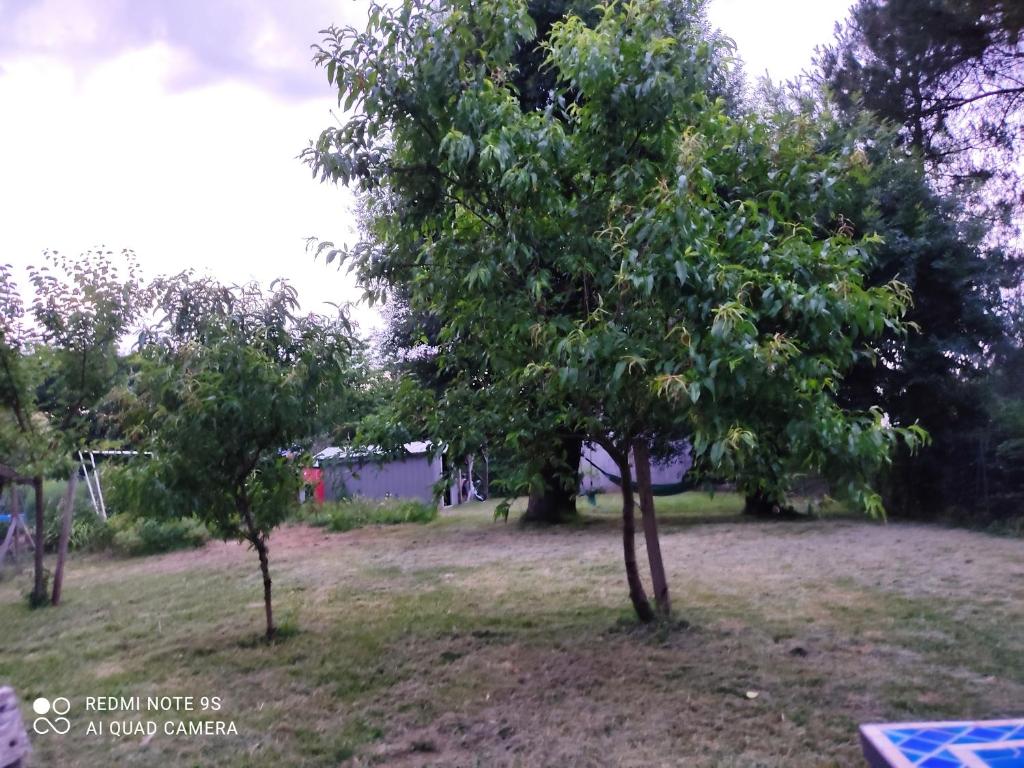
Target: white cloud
[777, 37]
[205, 178]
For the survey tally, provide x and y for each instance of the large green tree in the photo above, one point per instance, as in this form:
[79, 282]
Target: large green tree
[630, 261]
[931, 375]
[24, 434]
[411, 337]
[945, 193]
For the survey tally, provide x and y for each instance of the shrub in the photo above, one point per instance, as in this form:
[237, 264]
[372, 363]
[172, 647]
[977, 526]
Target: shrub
[85, 526]
[132, 536]
[129, 532]
[359, 512]
[130, 490]
[143, 520]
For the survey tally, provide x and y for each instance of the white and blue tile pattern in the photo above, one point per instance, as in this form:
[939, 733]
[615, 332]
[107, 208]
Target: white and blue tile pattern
[992, 744]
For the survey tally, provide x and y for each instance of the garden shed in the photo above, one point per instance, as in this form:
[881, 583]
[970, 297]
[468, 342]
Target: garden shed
[377, 475]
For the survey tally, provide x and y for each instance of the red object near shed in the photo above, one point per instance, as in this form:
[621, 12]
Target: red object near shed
[314, 476]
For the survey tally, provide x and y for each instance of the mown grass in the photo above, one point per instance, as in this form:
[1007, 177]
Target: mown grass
[346, 515]
[466, 642]
[696, 507]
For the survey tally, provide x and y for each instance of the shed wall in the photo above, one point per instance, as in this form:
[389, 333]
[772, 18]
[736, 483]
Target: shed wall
[410, 477]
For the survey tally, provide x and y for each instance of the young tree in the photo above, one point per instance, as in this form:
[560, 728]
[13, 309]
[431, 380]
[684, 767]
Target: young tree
[630, 261]
[57, 365]
[23, 434]
[231, 381]
[412, 336]
[83, 308]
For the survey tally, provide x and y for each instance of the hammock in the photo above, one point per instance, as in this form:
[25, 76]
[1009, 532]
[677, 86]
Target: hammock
[658, 489]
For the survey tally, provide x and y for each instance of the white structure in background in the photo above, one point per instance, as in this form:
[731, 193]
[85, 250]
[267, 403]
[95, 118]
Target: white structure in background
[596, 465]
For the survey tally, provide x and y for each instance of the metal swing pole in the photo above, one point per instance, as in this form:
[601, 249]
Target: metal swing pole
[99, 488]
[88, 484]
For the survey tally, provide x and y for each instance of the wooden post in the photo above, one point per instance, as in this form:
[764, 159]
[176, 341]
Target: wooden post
[66, 518]
[39, 588]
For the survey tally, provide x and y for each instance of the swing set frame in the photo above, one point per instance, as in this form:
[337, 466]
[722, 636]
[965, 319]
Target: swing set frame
[17, 529]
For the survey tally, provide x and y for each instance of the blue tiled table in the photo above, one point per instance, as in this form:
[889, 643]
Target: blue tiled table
[968, 744]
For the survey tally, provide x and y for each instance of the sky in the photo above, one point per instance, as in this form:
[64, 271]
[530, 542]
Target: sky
[172, 127]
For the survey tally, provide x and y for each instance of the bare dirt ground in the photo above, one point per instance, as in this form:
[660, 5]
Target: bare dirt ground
[473, 643]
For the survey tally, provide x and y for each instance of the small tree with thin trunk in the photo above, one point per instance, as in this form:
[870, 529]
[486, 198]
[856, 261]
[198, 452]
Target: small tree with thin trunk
[58, 361]
[83, 308]
[23, 436]
[232, 380]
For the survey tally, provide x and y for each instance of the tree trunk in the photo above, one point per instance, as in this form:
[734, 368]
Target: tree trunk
[66, 517]
[759, 504]
[636, 588]
[260, 543]
[650, 522]
[39, 588]
[555, 502]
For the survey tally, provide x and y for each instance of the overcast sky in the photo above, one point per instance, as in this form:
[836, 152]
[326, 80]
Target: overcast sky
[172, 127]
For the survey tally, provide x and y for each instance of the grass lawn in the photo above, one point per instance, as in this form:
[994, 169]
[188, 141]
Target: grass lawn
[466, 642]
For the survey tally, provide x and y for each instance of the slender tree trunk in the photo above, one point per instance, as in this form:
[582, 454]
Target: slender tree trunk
[650, 521]
[66, 518]
[636, 588]
[260, 543]
[39, 588]
[759, 504]
[555, 502]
